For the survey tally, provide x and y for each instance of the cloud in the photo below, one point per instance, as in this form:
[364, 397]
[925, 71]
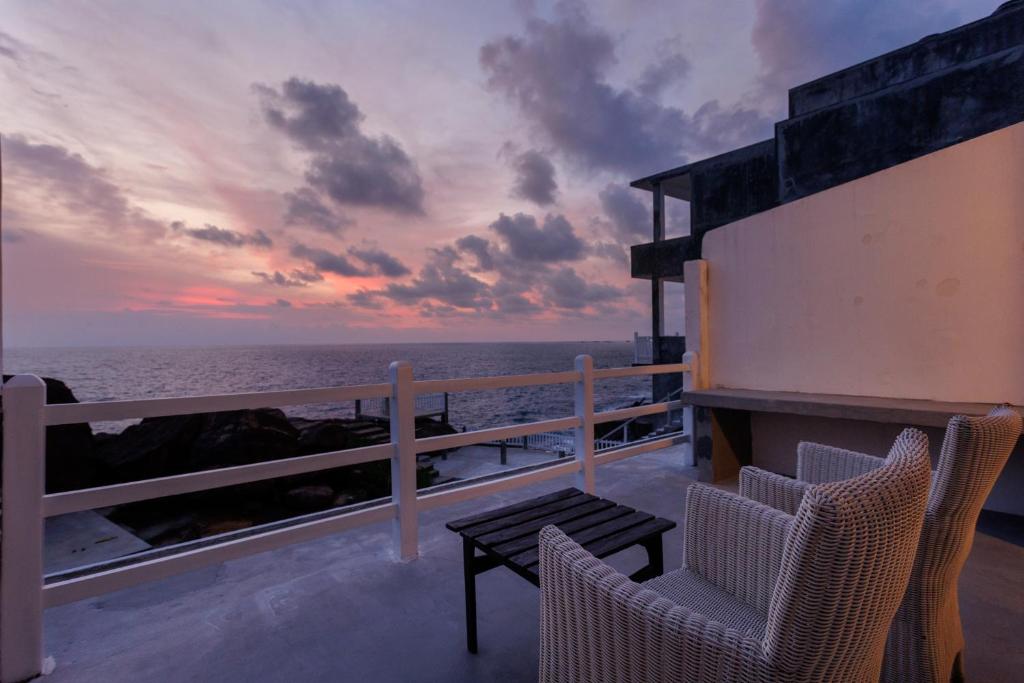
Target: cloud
[225, 237]
[13, 235]
[441, 280]
[479, 248]
[312, 115]
[10, 47]
[283, 303]
[327, 262]
[671, 67]
[376, 262]
[303, 207]
[535, 178]
[626, 211]
[364, 298]
[800, 40]
[550, 242]
[379, 261]
[78, 186]
[297, 278]
[566, 289]
[556, 73]
[347, 165]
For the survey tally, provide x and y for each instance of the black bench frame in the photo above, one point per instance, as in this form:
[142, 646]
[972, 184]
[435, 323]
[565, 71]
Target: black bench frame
[508, 537]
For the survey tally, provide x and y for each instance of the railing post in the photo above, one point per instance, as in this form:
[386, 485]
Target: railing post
[691, 381]
[584, 442]
[21, 549]
[401, 412]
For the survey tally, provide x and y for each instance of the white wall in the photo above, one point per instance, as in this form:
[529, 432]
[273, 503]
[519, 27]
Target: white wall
[907, 283]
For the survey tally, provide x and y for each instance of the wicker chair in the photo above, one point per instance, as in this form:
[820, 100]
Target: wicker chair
[763, 595]
[926, 639]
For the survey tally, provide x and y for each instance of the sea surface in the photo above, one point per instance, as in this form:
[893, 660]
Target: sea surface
[101, 374]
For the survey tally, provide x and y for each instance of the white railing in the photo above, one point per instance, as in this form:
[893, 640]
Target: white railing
[643, 349]
[23, 594]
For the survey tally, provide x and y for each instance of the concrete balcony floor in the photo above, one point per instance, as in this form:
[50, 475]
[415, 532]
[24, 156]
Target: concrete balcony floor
[341, 609]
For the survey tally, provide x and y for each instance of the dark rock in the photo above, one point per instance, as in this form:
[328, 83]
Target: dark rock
[163, 446]
[69, 448]
[156, 447]
[322, 436]
[310, 498]
[241, 437]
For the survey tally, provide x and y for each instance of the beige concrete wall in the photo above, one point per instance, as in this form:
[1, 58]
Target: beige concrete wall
[908, 283]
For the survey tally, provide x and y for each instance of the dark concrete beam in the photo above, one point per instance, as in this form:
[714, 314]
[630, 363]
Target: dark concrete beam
[663, 259]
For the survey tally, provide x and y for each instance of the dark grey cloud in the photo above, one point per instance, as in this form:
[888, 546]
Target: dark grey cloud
[364, 298]
[535, 178]
[283, 303]
[630, 216]
[553, 241]
[374, 260]
[444, 282]
[799, 40]
[566, 289]
[75, 184]
[380, 261]
[479, 248]
[326, 261]
[346, 165]
[297, 278]
[313, 115]
[224, 237]
[304, 207]
[556, 73]
[521, 270]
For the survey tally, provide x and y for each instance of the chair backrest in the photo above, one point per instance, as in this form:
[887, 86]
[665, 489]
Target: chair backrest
[974, 452]
[845, 568]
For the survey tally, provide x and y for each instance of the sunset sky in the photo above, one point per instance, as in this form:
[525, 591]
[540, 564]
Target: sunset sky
[330, 172]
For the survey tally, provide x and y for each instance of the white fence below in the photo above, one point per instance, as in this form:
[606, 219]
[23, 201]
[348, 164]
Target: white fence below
[26, 414]
[643, 349]
[428, 405]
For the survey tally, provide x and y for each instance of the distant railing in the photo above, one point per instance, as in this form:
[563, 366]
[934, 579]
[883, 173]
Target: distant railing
[24, 595]
[430, 405]
[643, 349]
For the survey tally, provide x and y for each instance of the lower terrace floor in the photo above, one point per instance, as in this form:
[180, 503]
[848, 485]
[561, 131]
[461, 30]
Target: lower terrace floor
[341, 609]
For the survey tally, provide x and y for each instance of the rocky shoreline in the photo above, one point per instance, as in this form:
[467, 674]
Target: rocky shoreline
[157, 447]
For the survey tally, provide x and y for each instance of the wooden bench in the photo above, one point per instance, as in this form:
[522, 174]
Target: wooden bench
[508, 536]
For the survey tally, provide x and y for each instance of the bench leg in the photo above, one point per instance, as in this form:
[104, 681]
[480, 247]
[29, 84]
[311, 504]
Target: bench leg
[656, 556]
[655, 560]
[469, 574]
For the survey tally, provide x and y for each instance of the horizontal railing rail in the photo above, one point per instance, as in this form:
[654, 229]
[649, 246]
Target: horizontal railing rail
[26, 505]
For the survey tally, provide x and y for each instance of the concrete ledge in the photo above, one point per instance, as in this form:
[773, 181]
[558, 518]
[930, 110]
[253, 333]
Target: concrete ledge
[868, 408]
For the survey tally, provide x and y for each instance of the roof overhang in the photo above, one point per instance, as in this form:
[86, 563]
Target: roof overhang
[674, 182]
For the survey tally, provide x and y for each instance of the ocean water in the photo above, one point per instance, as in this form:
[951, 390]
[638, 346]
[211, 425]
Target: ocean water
[100, 374]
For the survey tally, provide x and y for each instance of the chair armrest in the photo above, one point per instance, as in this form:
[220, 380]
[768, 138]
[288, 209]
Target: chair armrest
[735, 543]
[774, 490]
[819, 464]
[598, 625]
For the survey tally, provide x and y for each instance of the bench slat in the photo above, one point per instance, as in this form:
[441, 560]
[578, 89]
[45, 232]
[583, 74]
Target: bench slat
[589, 535]
[529, 543]
[477, 530]
[460, 524]
[535, 525]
